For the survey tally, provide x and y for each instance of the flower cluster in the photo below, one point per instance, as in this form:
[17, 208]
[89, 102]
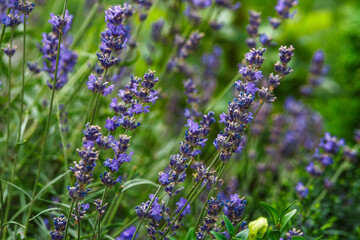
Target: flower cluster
[252, 28]
[213, 207]
[281, 69]
[301, 190]
[49, 50]
[79, 213]
[97, 85]
[239, 115]
[283, 8]
[292, 233]
[317, 72]
[127, 234]
[83, 171]
[327, 148]
[193, 99]
[13, 17]
[60, 224]
[156, 212]
[234, 208]
[209, 177]
[100, 207]
[184, 48]
[186, 210]
[296, 129]
[116, 35]
[194, 138]
[136, 96]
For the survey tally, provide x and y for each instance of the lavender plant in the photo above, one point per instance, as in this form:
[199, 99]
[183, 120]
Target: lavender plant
[269, 166]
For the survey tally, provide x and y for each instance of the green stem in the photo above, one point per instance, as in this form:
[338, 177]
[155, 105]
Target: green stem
[99, 223]
[8, 139]
[97, 97]
[78, 216]
[114, 207]
[64, 147]
[223, 93]
[68, 219]
[147, 210]
[86, 23]
[46, 135]
[97, 215]
[180, 212]
[334, 178]
[2, 206]
[23, 81]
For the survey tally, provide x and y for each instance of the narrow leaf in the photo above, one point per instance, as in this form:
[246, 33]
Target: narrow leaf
[218, 235]
[243, 235]
[13, 222]
[274, 214]
[229, 226]
[286, 219]
[47, 210]
[190, 234]
[286, 210]
[42, 191]
[136, 182]
[17, 187]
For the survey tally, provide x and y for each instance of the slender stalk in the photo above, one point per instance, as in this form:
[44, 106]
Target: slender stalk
[97, 215]
[2, 206]
[334, 178]
[147, 210]
[180, 212]
[78, 216]
[8, 138]
[68, 219]
[209, 195]
[23, 80]
[46, 135]
[86, 23]
[64, 147]
[113, 208]
[99, 226]
[97, 97]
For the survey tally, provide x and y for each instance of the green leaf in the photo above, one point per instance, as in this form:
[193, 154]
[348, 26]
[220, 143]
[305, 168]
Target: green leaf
[274, 235]
[49, 184]
[17, 187]
[191, 234]
[218, 235]
[229, 226]
[320, 237]
[286, 210]
[274, 214]
[13, 222]
[239, 225]
[47, 210]
[136, 182]
[297, 238]
[286, 219]
[243, 235]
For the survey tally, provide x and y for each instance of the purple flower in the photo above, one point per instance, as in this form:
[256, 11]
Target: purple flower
[180, 205]
[302, 190]
[234, 208]
[331, 144]
[61, 24]
[201, 3]
[127, 234]
[283, 8]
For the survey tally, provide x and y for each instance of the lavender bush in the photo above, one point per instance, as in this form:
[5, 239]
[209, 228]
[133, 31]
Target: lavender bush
[197, 119]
